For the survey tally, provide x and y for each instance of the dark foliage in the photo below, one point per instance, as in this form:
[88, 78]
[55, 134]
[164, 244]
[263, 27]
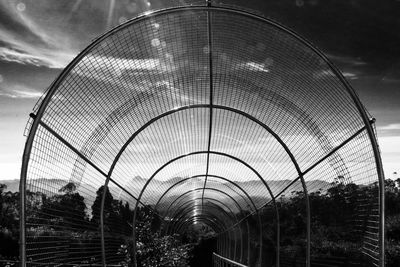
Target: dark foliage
[334, 234]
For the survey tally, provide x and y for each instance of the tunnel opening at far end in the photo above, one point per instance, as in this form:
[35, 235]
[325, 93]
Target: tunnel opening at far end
[201, 136]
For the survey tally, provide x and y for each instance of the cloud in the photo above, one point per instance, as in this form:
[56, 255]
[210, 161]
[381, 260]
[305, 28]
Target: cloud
[113, 69]
[26, 94]
[37, 58]
[328, 73]
[392, 75]
[389, 127]
[347, 60]
[349, 75]
[25, 42]
[17, 50]
[19, 91]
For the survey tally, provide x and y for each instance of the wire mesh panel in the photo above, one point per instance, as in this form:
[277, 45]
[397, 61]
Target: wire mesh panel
[59, 228]
[353, 218]
[198, 118]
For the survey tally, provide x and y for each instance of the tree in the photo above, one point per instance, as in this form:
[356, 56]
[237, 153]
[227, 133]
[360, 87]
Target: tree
[67, 209]
[152, 248]
[109, 208]
[9, 227]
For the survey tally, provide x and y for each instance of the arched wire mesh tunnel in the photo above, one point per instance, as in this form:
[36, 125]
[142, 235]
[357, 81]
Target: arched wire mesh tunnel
[199, 119]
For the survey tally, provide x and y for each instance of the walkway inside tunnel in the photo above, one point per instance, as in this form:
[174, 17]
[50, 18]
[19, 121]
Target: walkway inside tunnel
[201, 136]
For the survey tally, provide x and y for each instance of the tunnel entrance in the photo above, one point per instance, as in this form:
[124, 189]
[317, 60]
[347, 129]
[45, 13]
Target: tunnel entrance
[201, 136]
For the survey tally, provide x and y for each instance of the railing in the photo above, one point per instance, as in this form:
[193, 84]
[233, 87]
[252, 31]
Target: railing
[219, 261]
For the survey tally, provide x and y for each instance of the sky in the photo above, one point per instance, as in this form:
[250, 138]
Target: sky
[38, 38]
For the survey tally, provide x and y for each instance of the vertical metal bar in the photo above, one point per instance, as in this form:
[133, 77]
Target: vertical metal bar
[22, 209]
[308, 218]
[248, 242]
[22, 187]
[133, 256]
[218, 245]
[235, 245]
[241, 244]
[278, 239]
[222, 244]
[226, 245]
[260, 234]
[210, 61]
[381, 181]
[230, 245]
[102, 239]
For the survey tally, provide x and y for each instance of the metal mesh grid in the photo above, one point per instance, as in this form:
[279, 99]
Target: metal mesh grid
[360, 201]
[284, 80]
[182, 94]
[51, 218]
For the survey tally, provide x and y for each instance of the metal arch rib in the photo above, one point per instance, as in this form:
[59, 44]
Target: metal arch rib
[160, 12]
[205, 106]
[200, 218]
[177, 227]
[218, 202]
[212, 176]
[186, 210]
[256, 210]
[182, 197]
[215, 107]
[212, 189]
[66, 71]
[232, 157]
[230, 210]
[190, 220]
[204, 152]
[218, 226]
[179, 212]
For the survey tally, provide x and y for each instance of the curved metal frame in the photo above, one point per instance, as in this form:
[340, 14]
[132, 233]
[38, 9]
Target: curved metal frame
[226, 240]
[229, 209]
[227, 180]
[213, 189]
[116, 159]
[186, 211]
[202, 218]
[185, 205]
[54, 86]
[212, 176]
[216, 190]
[209, 175]
[197, 189]
[238, 160]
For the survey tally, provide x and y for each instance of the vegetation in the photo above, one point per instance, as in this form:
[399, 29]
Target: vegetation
[337, 223]
[334, 231]
[65, 219]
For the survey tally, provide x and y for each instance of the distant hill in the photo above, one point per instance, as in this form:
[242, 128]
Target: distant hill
[254, 188]
[12, 185]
